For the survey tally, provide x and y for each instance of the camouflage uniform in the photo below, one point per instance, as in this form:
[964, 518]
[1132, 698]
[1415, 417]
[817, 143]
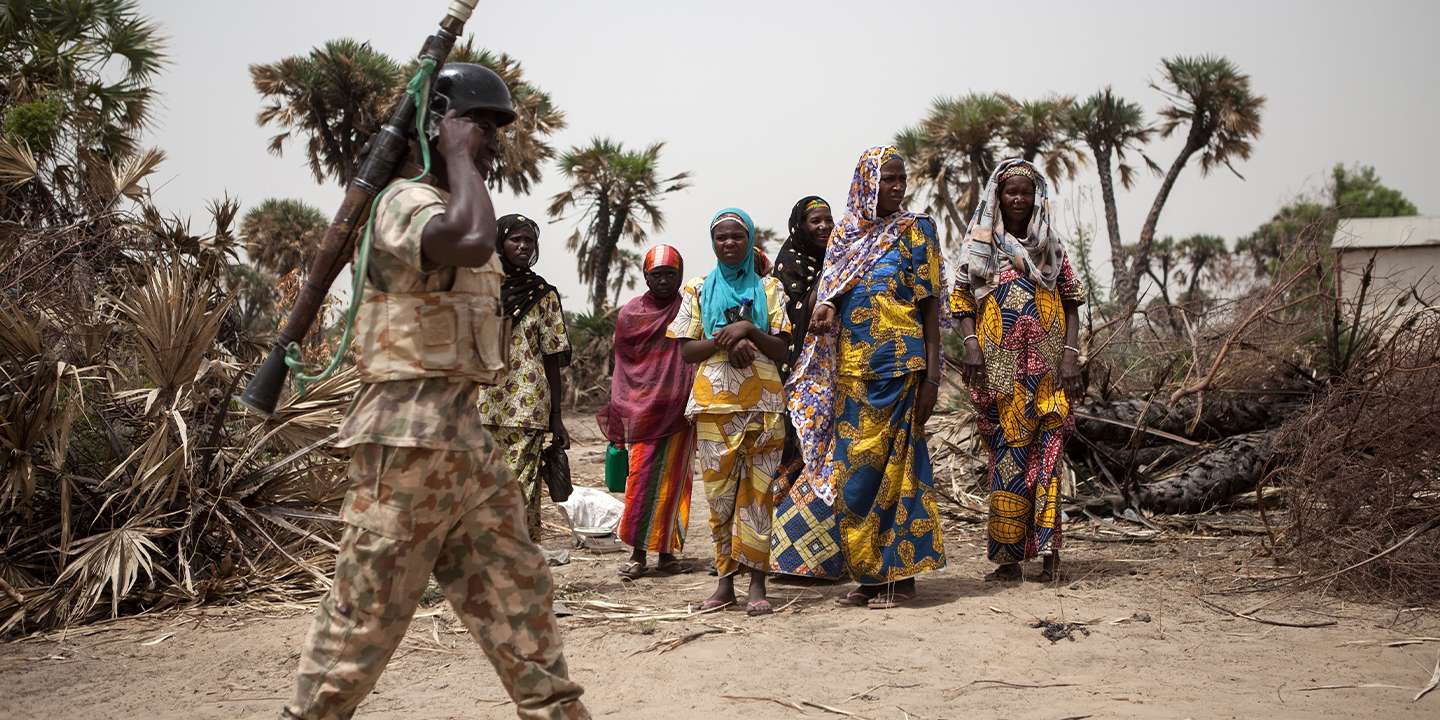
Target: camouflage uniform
[430, 493]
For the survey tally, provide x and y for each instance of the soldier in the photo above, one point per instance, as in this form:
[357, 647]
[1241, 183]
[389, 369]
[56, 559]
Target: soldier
[430, 488]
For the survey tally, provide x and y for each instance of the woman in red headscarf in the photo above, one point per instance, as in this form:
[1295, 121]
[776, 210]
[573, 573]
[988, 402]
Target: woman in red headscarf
[646, 414]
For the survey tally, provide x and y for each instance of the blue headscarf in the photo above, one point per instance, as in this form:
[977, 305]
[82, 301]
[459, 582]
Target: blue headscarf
[727, 285]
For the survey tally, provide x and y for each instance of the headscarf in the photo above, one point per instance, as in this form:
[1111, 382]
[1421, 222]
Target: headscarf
[797, 267]
[664, 256]
[523, 288]
[651, 384]
[727, 286]
[762, 263]
[989, 250]
[858, 242]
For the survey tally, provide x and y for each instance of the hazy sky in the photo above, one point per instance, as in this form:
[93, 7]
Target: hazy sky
[765, 102]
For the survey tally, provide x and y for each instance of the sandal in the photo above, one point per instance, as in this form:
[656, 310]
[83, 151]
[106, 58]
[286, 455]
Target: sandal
[854, 599]
[1009, 572]
[713, 604]
[759, 607]
[885, 601]
[633, 570]
[673, 567]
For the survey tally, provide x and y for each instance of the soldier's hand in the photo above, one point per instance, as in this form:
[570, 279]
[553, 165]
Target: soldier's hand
[460, 139]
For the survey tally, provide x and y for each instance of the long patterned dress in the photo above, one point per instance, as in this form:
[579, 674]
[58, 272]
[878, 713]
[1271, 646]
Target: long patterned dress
[739, 436]
[517, 411]
[1021, 410]
[886, 501]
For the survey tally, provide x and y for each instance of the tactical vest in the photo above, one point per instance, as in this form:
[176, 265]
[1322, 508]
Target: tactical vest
[459, 332]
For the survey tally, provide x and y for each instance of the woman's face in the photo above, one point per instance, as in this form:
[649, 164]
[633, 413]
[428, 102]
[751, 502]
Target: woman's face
[731, 241]
[892, 188]
[820, 222]
[664, 281]
[1017, 199]
[520, 246]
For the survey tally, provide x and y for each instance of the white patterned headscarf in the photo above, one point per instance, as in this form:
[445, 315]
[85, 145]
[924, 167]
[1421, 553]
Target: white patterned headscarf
[989, 251]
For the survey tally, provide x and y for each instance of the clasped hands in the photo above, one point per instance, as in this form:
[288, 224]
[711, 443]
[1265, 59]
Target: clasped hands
[735, 340]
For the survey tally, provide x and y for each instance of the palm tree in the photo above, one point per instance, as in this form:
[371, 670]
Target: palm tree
[280, 234]
[75, 98]
[1212, 99]
[1036, 129]
[336, 95]
[618, 192]
[953, 149]
[628, 264]
[1110, 126]
[342, 92]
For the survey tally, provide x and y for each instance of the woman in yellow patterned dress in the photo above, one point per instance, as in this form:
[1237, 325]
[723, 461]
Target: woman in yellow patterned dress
[526, 403]
[867, 382]
[1016, 279]
[732, 323]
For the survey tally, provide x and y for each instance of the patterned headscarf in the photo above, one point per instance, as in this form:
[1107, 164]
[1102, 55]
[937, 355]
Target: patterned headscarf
[989, 250]
[729, 286]
[762, 263]
[664, 256]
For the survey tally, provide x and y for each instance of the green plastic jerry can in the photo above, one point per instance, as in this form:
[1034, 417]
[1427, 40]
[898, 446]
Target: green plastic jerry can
[617, 468]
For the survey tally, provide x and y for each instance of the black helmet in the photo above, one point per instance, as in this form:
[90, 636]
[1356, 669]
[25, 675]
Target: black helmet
[463, 87]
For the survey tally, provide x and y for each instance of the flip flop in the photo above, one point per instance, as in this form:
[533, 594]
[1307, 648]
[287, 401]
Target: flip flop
[759, 607]
[885, 601]
[713, 604]
[1009, 572]
[674, 567]
[853, 599]
[633, 570]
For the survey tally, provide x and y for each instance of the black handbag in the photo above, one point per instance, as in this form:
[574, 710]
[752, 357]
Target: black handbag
[555, 471]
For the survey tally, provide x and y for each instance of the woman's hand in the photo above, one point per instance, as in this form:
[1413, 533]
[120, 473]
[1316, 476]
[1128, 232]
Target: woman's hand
[972, 367]
[726, 337]
[1070, 376]
[557, 429]
[823, 318]
[743, 353]
[925, 402]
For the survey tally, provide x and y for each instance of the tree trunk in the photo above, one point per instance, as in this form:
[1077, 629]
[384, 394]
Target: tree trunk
[953, 213]
[1127, 295]
[1220, 417]
[597, 271]
[1234, 466]
[1118, 269]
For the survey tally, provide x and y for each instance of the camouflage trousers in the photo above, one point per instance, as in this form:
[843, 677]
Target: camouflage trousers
[411, 512]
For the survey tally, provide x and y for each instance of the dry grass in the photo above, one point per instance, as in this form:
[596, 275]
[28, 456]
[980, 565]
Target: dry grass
[126, 481]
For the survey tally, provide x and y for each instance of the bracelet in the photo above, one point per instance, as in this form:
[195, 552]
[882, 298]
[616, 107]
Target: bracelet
[967, 338]
[1067, 347]
[828, 304]
[936, 383]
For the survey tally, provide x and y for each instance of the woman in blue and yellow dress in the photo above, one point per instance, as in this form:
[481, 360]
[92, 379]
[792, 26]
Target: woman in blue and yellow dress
[867, 381]
[1016, 304]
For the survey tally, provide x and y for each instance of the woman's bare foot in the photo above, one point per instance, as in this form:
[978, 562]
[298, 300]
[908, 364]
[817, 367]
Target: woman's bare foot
[755, 601]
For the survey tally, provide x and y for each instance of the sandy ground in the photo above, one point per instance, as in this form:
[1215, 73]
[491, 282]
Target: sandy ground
[964, 648]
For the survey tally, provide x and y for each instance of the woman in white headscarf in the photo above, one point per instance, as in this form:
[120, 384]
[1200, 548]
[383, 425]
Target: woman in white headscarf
[1016, 304]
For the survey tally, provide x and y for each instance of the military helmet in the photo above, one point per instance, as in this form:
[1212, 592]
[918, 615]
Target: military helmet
[463, 87]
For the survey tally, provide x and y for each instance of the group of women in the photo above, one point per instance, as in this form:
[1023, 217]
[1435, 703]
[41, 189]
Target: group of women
[804, 388]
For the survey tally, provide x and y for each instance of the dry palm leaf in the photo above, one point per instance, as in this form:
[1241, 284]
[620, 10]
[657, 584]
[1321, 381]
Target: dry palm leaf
[174, 323]
[29, 381]
[17, 165]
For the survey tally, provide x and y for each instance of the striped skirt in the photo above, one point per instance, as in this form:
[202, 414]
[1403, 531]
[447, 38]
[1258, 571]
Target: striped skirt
[657, 493]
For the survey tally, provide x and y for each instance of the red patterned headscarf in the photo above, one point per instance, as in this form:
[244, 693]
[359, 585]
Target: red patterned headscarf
[664, 256]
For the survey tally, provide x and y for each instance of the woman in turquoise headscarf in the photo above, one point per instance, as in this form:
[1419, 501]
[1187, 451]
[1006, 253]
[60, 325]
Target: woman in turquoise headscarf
[732, 323]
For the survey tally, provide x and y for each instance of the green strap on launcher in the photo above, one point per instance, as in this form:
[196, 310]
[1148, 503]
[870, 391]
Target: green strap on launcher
[419, 89]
